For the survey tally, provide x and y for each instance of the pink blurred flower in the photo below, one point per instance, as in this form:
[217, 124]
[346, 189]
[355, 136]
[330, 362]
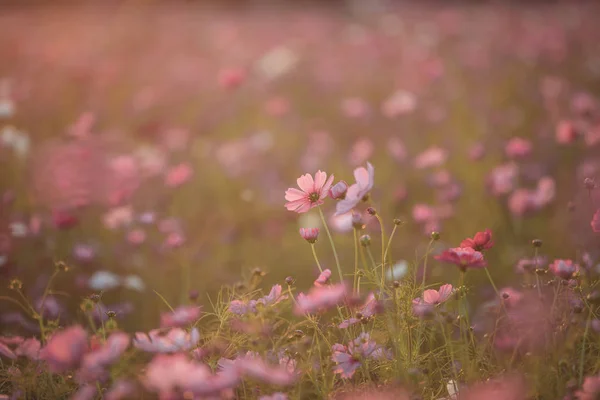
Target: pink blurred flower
[178, 175]
[323, 278]
[120, 390]
[564, 269]
[320, 298]
[231, 78]
[7, 352]
[175, 340]
[503, 179]
[312, 193]
[595, 223]
[180, 317]
[590, 390]
[397, 149]
[522, 201]
[348, 358]
[434, 297]
[518, 147]
[422, 213]
[463, 258]
[399, 103]
[511, 297]
[476, 152]
[365, 178]
[65, 349]
[256, 368]
[64, 219]
[481, 241]
[338, 191]
[82, 127]
[117, 217]
[565, 132]
[136, 236]
[430, 158]
[361, 151]
[94, 363]
[354, 107]
[369, 308]
[277, 106]
[503, 388]
[274, 396]
[309, 234]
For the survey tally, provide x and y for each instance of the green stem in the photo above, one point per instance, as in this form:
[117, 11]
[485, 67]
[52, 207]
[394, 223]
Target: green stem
[355, 285]
[582, 357]
[382, 252]
[425, 264]
[337, 261]
[312, 247]
[389, 243]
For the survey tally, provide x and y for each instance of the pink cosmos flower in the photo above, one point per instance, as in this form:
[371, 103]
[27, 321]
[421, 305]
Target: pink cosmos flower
[431, 296]
[240, 307]
[30, 348]
[564, 269]
[178, 175]
[320, 298]
[430, 158]
[481, 241]
[309, 234]
[323, 278]
[590, 390]
[348, 358]
[365, 178]
[370, 307]
[511, 297]
[65, 349]
[136, 236]
[94, 363]
[354, 107]
[85, 392]
[64, 219]
[361, 151]
[503, 179]
[120, 390]
[463, 258]
[595, 223]
[274, 396]
[231, 78]
[256, 368]
[397, 149]
[399, 103]
[181, 316]
[312, 193]
[518, 147]
[273, 297]
[565, 132]
[338, 191]
[175, 340]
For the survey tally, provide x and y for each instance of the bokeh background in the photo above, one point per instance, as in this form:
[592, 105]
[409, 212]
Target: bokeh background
[149, 145]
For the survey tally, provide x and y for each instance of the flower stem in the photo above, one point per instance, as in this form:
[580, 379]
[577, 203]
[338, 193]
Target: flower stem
[389, 243]
[312, 247]
[335, 255]
[382, 251]
[582, 357]
[355, 287]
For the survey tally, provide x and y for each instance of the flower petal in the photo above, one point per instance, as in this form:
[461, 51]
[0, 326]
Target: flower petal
[306, 183]
[293, 194]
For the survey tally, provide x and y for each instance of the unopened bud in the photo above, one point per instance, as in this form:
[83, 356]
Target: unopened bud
[372, 211]
[61, 266]
[338, 191]
[398, 221]
[290, 280]
[435, 235]
[536, 243]
[309, 234]
[111, 314]
[15, 284]
[589, 183]
[357, 221]
[365, 240]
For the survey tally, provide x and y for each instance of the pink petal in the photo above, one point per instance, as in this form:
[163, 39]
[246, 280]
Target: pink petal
[326, 187]
[445, 292]
[362, 177]
[306, 183]
[431, 296]
[320, 178]
[295, 205]
[293, 194]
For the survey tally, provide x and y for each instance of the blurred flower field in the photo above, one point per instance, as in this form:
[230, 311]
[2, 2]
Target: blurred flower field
[300, 202]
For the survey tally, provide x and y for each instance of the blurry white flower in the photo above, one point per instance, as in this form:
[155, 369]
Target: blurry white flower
[134, 282]
[18, 229]
[104, 280]
[16, 140]
[397, 271]
[7, 108]
[277, 62]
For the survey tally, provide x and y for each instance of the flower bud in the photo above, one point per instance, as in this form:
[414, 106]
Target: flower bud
[290, 280]
[309, 234]
[338, 191]
[365, 240]
[372, 211]
[589, 183]
[536, 243]
[15, 284]
[435, 235]
[357, 221]
[398, 221]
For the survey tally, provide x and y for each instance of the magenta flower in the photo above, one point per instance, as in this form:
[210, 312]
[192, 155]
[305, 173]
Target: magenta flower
[590, 390]
[518, 147]
[175, 340]
[320, 298]
[30, 348]
[481, 241]
[323, 278]
[180, 317]
[178, 175]
[365, 178]
[312, 193]
[65, 349]
[94, 363]
[434, 297]
[564, 269]
[463, 258]
[596, 221]
[309, 234]
[338, 191]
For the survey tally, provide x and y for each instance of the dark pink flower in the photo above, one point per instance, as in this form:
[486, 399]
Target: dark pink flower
[338, 191]
[481, 241]
[432, 296]
[323, 278]
[596, 221]
[320, 298]
[178, 175]
[356, 192]
[309, 234]
[231, 78]
[565, 132]
[181, 316]
[463, 258]
[64, 220]
[65, 349]
[312, 194]
[564, 269]
[590, 390]
[30, 348]
[518, 147]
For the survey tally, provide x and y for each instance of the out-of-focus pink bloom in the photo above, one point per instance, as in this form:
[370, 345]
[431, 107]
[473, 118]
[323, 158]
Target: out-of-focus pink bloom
[63, 219]
[85, 392]
[7, 352]
[136, 236]
[65, 349]
[348, 359]
[476, 152]
[94, 363]
[274, 396]
[565, 132]
[564, 269]
[355, 107]
[277, 106]
[181, 316]
[463, 258]
[365, 178]
[173, 341]
[256, 368]
[323, 278]
[30, 348]
[174, 240]
[430, 158]
[504, 388]
[590, 390]
[178, 175]
[320, 299]
[231, 78]
[117, 217]
[309, 234]
[432, 296]
[511, 297]
[397, 149]
[522, 201]
[175, 138]
[545, 192]
[583, 103]
[361, 151]
[338, 191]
[481, 241]
[592, 136]
[312, 192]
[503, 179]
[273, 297]
[595, 223]
[370, 307]
[82, 127]
[518, 147]
[422, 213]
[240, 307]
[120, 390]
[399, 103]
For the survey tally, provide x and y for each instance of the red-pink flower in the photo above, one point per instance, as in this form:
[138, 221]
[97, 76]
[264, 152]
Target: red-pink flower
[518, 147]
[178, 175]
[590, 388]
[481, 241]
[596, 221]
[463, 258]
[312, 194]
[309, 234]
[63, 219]
[564, 269]
[565, 132]
[65, 349]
